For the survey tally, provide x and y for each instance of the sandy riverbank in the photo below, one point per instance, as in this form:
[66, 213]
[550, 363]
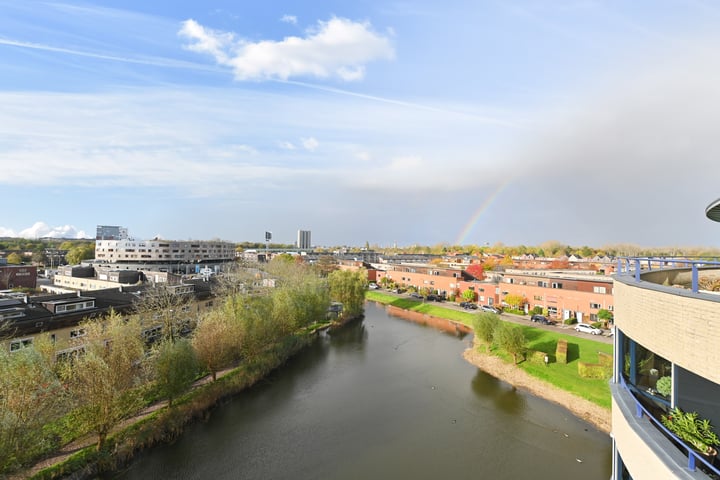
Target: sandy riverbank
[516, 377]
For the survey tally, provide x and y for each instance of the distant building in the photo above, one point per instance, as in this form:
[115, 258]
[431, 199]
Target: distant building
[303, 239]
[18, 276]
[110, 232]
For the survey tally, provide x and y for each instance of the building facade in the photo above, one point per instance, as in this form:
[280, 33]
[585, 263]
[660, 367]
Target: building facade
[18, 276]
[303, 240]
[666, 356]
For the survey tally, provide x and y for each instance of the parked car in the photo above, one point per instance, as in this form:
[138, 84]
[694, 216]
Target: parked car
[541, 319]
[468, 305]
[415, 295]
[585, 328]
[489, 308]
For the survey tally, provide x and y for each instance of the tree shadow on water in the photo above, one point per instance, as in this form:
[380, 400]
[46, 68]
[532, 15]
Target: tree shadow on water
[505, 397]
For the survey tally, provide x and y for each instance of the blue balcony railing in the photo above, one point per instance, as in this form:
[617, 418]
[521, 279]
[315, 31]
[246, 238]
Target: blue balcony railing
[637, 265]
[692, 455]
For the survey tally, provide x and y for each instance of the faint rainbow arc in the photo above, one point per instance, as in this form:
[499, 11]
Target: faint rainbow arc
[480, 210]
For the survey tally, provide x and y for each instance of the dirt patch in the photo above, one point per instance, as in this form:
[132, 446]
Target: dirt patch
[580, 407]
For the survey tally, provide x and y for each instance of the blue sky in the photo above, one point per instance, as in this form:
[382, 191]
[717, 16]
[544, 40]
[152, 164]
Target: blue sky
[588, 122]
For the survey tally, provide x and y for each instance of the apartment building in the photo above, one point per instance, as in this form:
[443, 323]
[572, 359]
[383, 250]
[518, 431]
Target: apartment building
[667, 331]
[563, 294]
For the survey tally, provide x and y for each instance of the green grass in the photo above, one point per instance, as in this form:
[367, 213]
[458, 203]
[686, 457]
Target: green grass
[563, 376]
[434, 309]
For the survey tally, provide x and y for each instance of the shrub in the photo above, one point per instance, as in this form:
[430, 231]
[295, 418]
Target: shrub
[536, 310]
[561, 351]
[570, 321]
[593, 370]
[605, 359]
[596, 324]
[664, 386]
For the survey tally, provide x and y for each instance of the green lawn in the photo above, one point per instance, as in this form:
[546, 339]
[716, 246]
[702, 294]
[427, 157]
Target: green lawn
[564, 376]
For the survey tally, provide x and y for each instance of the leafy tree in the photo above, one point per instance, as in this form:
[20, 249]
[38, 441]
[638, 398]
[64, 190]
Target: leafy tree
[213, 342]
[14, 259]
[349, 288]
[80, 252]
[468, 295]
[176, 366]
[105, 379]
[515, 301]
[30, 396]
[484, 326]
[511, 339]
[604, 314]
[476, 270]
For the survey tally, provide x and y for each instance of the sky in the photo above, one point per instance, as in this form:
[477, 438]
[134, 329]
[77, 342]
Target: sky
[393, 123]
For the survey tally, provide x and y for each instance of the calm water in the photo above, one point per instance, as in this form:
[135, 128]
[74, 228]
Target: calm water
[384, 398]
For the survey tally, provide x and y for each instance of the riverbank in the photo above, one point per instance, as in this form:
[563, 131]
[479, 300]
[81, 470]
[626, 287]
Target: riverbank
[512, 374]
[507, 372]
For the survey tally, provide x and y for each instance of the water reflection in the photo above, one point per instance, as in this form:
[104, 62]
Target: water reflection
[504, 396]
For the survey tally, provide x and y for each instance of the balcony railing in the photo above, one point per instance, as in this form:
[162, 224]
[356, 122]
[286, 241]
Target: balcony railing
[692, 455]
[637, 265]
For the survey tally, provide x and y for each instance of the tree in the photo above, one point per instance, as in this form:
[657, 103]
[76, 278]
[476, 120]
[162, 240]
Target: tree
[476, 270]
[484, 326]
[176, 366]
[326, 264]
[468, 295]
[104, 380]
[212, 342]
[348, 288]
[14, 259]
[515, 301]
[511, 339]
[30, 397]
[162, 305]
[81, 252]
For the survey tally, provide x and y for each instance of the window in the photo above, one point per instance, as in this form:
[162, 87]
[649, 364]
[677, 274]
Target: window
[542, 283]
[596, 306]
[552, 310]
[16, 345]
[77, 333]
[538, 298]
[556, 285]
[599, 290]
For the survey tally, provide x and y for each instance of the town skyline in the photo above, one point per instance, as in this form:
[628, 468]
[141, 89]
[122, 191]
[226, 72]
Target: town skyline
[471, 123]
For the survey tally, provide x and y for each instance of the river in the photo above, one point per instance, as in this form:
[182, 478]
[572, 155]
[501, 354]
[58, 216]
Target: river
[382, 398]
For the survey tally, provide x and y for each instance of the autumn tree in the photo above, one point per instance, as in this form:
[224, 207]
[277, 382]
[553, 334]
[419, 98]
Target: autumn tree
[476, 270]
[468, 295]
[514, 300]
[104, 380]
[326, 264]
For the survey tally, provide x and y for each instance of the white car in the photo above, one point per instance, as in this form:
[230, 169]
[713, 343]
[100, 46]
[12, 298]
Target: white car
[585, 328]
[489, 308]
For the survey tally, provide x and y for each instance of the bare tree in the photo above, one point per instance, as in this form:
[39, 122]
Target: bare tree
[164, 305]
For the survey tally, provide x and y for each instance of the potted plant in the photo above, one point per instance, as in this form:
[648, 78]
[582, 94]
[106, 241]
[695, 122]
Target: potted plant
[692, 430]
[664, 386]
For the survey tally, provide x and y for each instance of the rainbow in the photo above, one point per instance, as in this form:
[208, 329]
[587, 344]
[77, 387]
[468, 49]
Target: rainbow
[480, 210]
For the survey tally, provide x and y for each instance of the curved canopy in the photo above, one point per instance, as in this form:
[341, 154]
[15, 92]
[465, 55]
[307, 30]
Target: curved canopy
[713, 210]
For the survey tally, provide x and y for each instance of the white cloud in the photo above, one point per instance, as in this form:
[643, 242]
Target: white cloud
[291, 19]
[42, 229]
[287, 145]
[310, 144]
[338, 47]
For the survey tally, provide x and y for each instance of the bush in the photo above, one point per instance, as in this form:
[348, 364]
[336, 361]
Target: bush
[597, 325]
[561, 351]
[664, 386]
[536, 310]
[593, 370]
[570, 321]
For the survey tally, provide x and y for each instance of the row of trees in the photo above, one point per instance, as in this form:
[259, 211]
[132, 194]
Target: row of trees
[113, 373]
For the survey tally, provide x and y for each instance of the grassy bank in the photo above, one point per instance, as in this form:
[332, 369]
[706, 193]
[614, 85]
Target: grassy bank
[165, 424]
[563, 376]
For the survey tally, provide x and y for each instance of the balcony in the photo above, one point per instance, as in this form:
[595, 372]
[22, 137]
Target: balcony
[666, 454]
